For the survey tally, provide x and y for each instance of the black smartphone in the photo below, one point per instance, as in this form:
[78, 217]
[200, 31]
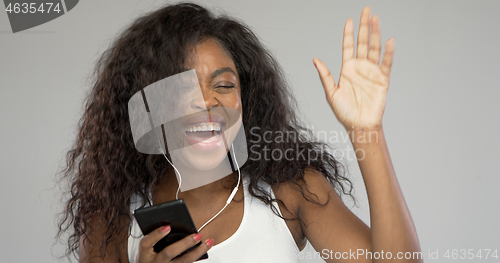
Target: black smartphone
[173, 213]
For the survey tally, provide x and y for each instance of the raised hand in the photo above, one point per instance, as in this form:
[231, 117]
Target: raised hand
[358, 100]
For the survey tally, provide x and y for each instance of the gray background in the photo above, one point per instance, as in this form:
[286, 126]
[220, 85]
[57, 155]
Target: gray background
[441, 120]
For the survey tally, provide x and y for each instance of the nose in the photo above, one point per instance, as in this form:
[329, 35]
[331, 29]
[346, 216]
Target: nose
[204, 99]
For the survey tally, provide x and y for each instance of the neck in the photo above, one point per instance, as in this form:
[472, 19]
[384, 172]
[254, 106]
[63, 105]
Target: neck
[220, 189]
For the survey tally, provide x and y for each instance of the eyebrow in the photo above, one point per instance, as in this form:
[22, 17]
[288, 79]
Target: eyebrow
[221, 71]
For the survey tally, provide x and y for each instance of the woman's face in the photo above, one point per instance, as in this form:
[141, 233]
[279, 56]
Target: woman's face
[212, 116]
[217, 75]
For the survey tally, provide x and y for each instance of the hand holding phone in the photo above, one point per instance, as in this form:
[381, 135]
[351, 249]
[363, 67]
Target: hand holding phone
[169, 233]
[148, 255]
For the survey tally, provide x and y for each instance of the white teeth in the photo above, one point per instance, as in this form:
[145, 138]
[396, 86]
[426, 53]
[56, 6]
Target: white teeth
[205, 126]
[211, 139]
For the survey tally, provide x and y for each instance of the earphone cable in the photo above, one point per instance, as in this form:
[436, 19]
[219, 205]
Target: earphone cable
[233, 193]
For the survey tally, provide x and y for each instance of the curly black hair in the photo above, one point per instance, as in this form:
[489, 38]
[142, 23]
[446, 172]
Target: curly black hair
[103, 167]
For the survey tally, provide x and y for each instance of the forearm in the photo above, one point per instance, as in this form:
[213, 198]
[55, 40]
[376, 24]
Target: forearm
[392, 229]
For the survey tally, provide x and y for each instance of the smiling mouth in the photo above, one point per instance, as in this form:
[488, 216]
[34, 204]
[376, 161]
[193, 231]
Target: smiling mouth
[205, 132]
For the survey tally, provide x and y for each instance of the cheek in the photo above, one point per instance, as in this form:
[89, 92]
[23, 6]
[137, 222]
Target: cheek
[232, 100]
[240, 104]
[239, 107]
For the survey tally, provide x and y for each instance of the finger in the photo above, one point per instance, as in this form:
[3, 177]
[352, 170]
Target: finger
[364, 30]
[374, 52]
[149, 240]
[348, 42]
[175, 249]
[196, 253]
[386, 65]
[326, 77]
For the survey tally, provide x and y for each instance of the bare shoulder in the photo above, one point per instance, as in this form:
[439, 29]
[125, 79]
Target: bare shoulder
[313, 189]
[322, 214]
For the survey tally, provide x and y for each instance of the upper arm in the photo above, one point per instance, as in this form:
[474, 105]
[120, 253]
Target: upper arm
[90, 248]
[326, 222]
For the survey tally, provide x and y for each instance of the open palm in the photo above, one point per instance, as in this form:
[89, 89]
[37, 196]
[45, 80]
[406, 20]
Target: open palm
[358, 100]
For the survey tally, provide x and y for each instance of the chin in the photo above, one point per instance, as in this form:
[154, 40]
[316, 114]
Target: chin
[195, 159]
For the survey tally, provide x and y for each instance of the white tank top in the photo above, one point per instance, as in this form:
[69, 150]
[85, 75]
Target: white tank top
[261, 237]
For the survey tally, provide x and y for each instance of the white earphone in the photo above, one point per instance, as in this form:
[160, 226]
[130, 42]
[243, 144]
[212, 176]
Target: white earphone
[231, 196]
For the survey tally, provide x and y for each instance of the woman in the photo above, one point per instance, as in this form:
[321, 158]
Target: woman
[301, 194]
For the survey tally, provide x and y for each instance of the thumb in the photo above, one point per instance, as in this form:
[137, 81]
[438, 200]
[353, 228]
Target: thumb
[326, 78]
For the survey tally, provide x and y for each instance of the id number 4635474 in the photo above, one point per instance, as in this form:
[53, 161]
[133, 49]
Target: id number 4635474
[484, 253]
